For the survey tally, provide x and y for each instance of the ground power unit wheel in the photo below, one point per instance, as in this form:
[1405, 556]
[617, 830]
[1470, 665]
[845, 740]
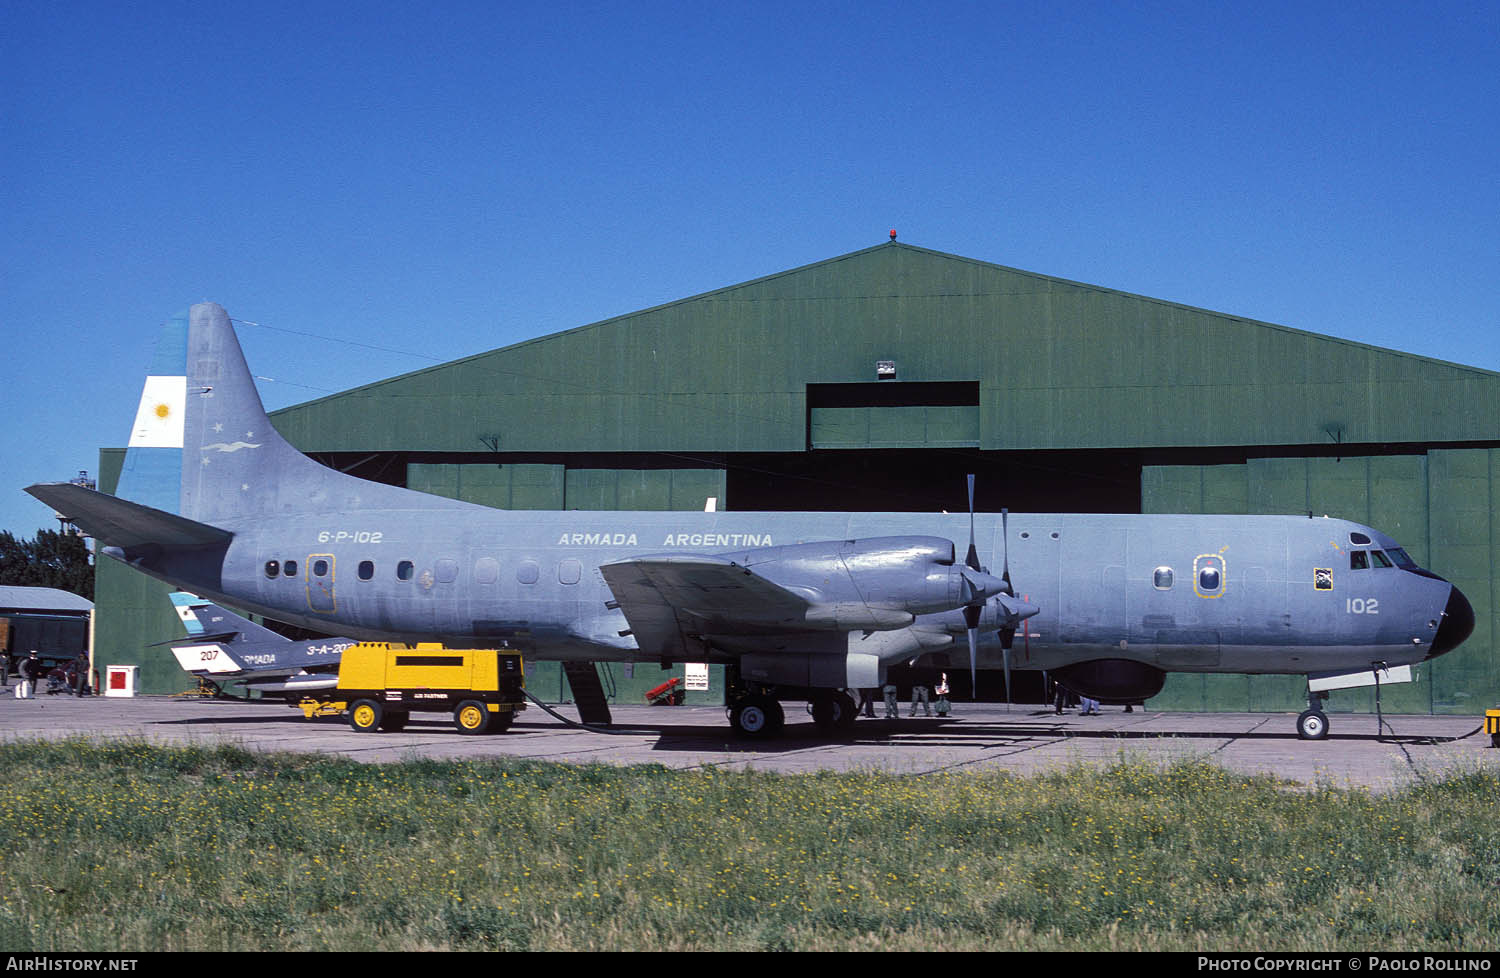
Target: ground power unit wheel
[365, 716]
[471, 717]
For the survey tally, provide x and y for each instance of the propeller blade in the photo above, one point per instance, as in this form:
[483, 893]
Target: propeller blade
[974, 662]
[973, 556]
[1005, 652]
[971, 620]
[1005, 548]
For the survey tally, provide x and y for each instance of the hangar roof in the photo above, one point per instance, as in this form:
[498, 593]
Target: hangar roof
[41, 599]
[1058, 365]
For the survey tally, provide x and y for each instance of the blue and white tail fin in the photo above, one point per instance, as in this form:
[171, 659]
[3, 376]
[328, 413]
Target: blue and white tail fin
[203, 619]
[202, 446]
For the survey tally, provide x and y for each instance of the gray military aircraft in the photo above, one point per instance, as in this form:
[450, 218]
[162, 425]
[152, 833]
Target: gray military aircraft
[229, 650]
[795, 605]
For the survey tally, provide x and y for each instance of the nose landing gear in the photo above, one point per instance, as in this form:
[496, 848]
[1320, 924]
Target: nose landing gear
[1312, 724]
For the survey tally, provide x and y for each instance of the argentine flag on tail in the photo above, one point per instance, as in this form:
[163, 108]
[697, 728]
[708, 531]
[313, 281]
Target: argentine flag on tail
[152, 474]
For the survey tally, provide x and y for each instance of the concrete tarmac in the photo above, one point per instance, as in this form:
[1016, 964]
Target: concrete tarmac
[976, 737]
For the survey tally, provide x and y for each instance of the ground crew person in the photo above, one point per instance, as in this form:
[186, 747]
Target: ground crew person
[920, 693]
[30, 667]
[891, 708]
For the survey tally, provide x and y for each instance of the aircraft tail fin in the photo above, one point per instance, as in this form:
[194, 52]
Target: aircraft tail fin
[203, 448]
[205, 620]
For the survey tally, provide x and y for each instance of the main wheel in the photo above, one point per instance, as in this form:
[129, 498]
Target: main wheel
[834, 711]
[471, 717]
[1312, 725]
[758, 717]
[365, 716]
[824, 713]
[847, 711]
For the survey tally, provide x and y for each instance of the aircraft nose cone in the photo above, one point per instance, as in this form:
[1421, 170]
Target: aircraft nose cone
[1457, 624]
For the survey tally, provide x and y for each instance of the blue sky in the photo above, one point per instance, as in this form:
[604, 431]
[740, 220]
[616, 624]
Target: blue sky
[440, 179]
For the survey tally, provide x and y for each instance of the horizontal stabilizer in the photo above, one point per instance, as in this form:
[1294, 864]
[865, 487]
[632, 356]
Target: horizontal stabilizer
[204, 637]
[121, 523]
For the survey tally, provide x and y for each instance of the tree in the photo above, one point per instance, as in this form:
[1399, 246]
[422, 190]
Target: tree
[53, 559]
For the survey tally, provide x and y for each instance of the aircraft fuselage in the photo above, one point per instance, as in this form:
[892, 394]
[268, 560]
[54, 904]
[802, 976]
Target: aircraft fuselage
[1252, 594]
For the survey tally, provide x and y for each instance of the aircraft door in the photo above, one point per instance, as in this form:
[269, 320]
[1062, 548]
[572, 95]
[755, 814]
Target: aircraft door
[320, 583]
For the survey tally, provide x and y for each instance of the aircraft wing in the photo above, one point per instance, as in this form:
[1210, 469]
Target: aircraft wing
[120, 523]
[666, 597]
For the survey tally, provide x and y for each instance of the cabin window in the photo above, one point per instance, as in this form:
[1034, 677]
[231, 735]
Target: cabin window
[1162, 579]
[1209, 579]
[272, 568]
[366, 569]
[404, 570]
[486, 570]
[569, 571]
[527, 572]
[1359, 560]
[289, 568]
[320, 568]
[447, 570]
[1379, 559]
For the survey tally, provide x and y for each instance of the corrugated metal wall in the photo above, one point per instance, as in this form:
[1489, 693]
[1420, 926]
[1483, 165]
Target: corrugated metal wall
[1061, 365]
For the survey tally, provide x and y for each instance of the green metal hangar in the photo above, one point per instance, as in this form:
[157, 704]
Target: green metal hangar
[878, 379]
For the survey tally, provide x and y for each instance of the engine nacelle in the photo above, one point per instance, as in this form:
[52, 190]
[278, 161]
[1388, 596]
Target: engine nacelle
[906, 575]
[1112, 680]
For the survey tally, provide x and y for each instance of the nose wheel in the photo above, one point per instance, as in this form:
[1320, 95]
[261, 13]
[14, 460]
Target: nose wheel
[1312, 724]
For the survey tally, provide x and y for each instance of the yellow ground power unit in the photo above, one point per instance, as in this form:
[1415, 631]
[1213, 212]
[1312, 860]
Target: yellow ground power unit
[381, 684]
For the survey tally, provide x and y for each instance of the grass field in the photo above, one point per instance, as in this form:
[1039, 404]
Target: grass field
[127, 846]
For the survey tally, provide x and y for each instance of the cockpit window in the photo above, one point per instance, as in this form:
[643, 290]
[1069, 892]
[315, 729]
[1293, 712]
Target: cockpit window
[1379, 559]
[1402, 560]
[1358, 560]
[1358, 539]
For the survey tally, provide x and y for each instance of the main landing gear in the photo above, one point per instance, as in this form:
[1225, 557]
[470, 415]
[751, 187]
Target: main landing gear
[757, 716]
[1312, 724]
[755, 709]
[833, 710]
